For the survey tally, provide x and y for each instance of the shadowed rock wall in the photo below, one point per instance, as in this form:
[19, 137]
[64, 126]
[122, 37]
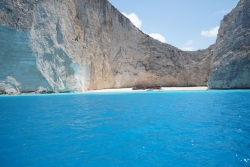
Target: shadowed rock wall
[41, 51]
[231, 65]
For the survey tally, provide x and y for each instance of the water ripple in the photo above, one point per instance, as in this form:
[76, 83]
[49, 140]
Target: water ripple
[205, 128]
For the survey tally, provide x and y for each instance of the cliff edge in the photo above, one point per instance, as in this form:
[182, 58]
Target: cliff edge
[231, 64]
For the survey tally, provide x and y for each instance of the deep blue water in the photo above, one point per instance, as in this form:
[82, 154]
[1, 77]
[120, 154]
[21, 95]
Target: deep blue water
[179, 128]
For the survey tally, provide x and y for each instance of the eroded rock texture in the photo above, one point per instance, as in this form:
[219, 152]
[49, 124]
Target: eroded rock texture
[78, 45]
[41, 46]
[231, 66]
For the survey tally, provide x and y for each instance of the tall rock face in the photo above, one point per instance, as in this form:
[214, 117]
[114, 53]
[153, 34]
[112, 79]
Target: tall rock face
[231, 64]
[78, 45]
[40, 50]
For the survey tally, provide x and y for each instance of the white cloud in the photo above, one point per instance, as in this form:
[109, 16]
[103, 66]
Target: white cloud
[134, 19]
[190, 42]
[223, 12]
[187, 48]
[210, 33]
[137, 22]
[158, 37]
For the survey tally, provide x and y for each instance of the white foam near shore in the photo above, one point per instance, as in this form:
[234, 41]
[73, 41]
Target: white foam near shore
[163, 88]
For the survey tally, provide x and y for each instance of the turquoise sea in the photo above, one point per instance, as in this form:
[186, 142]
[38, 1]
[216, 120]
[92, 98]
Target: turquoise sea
[168, 129]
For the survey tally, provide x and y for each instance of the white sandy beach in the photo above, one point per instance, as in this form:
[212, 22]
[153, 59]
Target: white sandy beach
[163, 88]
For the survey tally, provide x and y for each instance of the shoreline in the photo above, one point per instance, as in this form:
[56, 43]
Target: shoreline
[163, 89]
[123, 90]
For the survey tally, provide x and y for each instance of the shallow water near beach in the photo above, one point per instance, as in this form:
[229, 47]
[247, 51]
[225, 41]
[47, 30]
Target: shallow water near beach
[171, 128]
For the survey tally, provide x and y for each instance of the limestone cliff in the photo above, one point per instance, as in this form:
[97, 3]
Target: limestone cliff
[77, 45]
[40, 50]
[231, 65]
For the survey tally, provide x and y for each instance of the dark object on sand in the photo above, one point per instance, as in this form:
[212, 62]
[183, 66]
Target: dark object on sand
[146, 87]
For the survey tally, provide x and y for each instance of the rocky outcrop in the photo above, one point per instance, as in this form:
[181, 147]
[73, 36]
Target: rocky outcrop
[78, 45]
[231, 64]
[40, 48]
[152, 62]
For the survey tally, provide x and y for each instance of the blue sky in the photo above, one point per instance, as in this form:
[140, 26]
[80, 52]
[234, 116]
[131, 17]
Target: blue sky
[185, 24]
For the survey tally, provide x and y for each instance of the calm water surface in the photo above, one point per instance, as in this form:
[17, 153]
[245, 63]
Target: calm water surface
[179, 128]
